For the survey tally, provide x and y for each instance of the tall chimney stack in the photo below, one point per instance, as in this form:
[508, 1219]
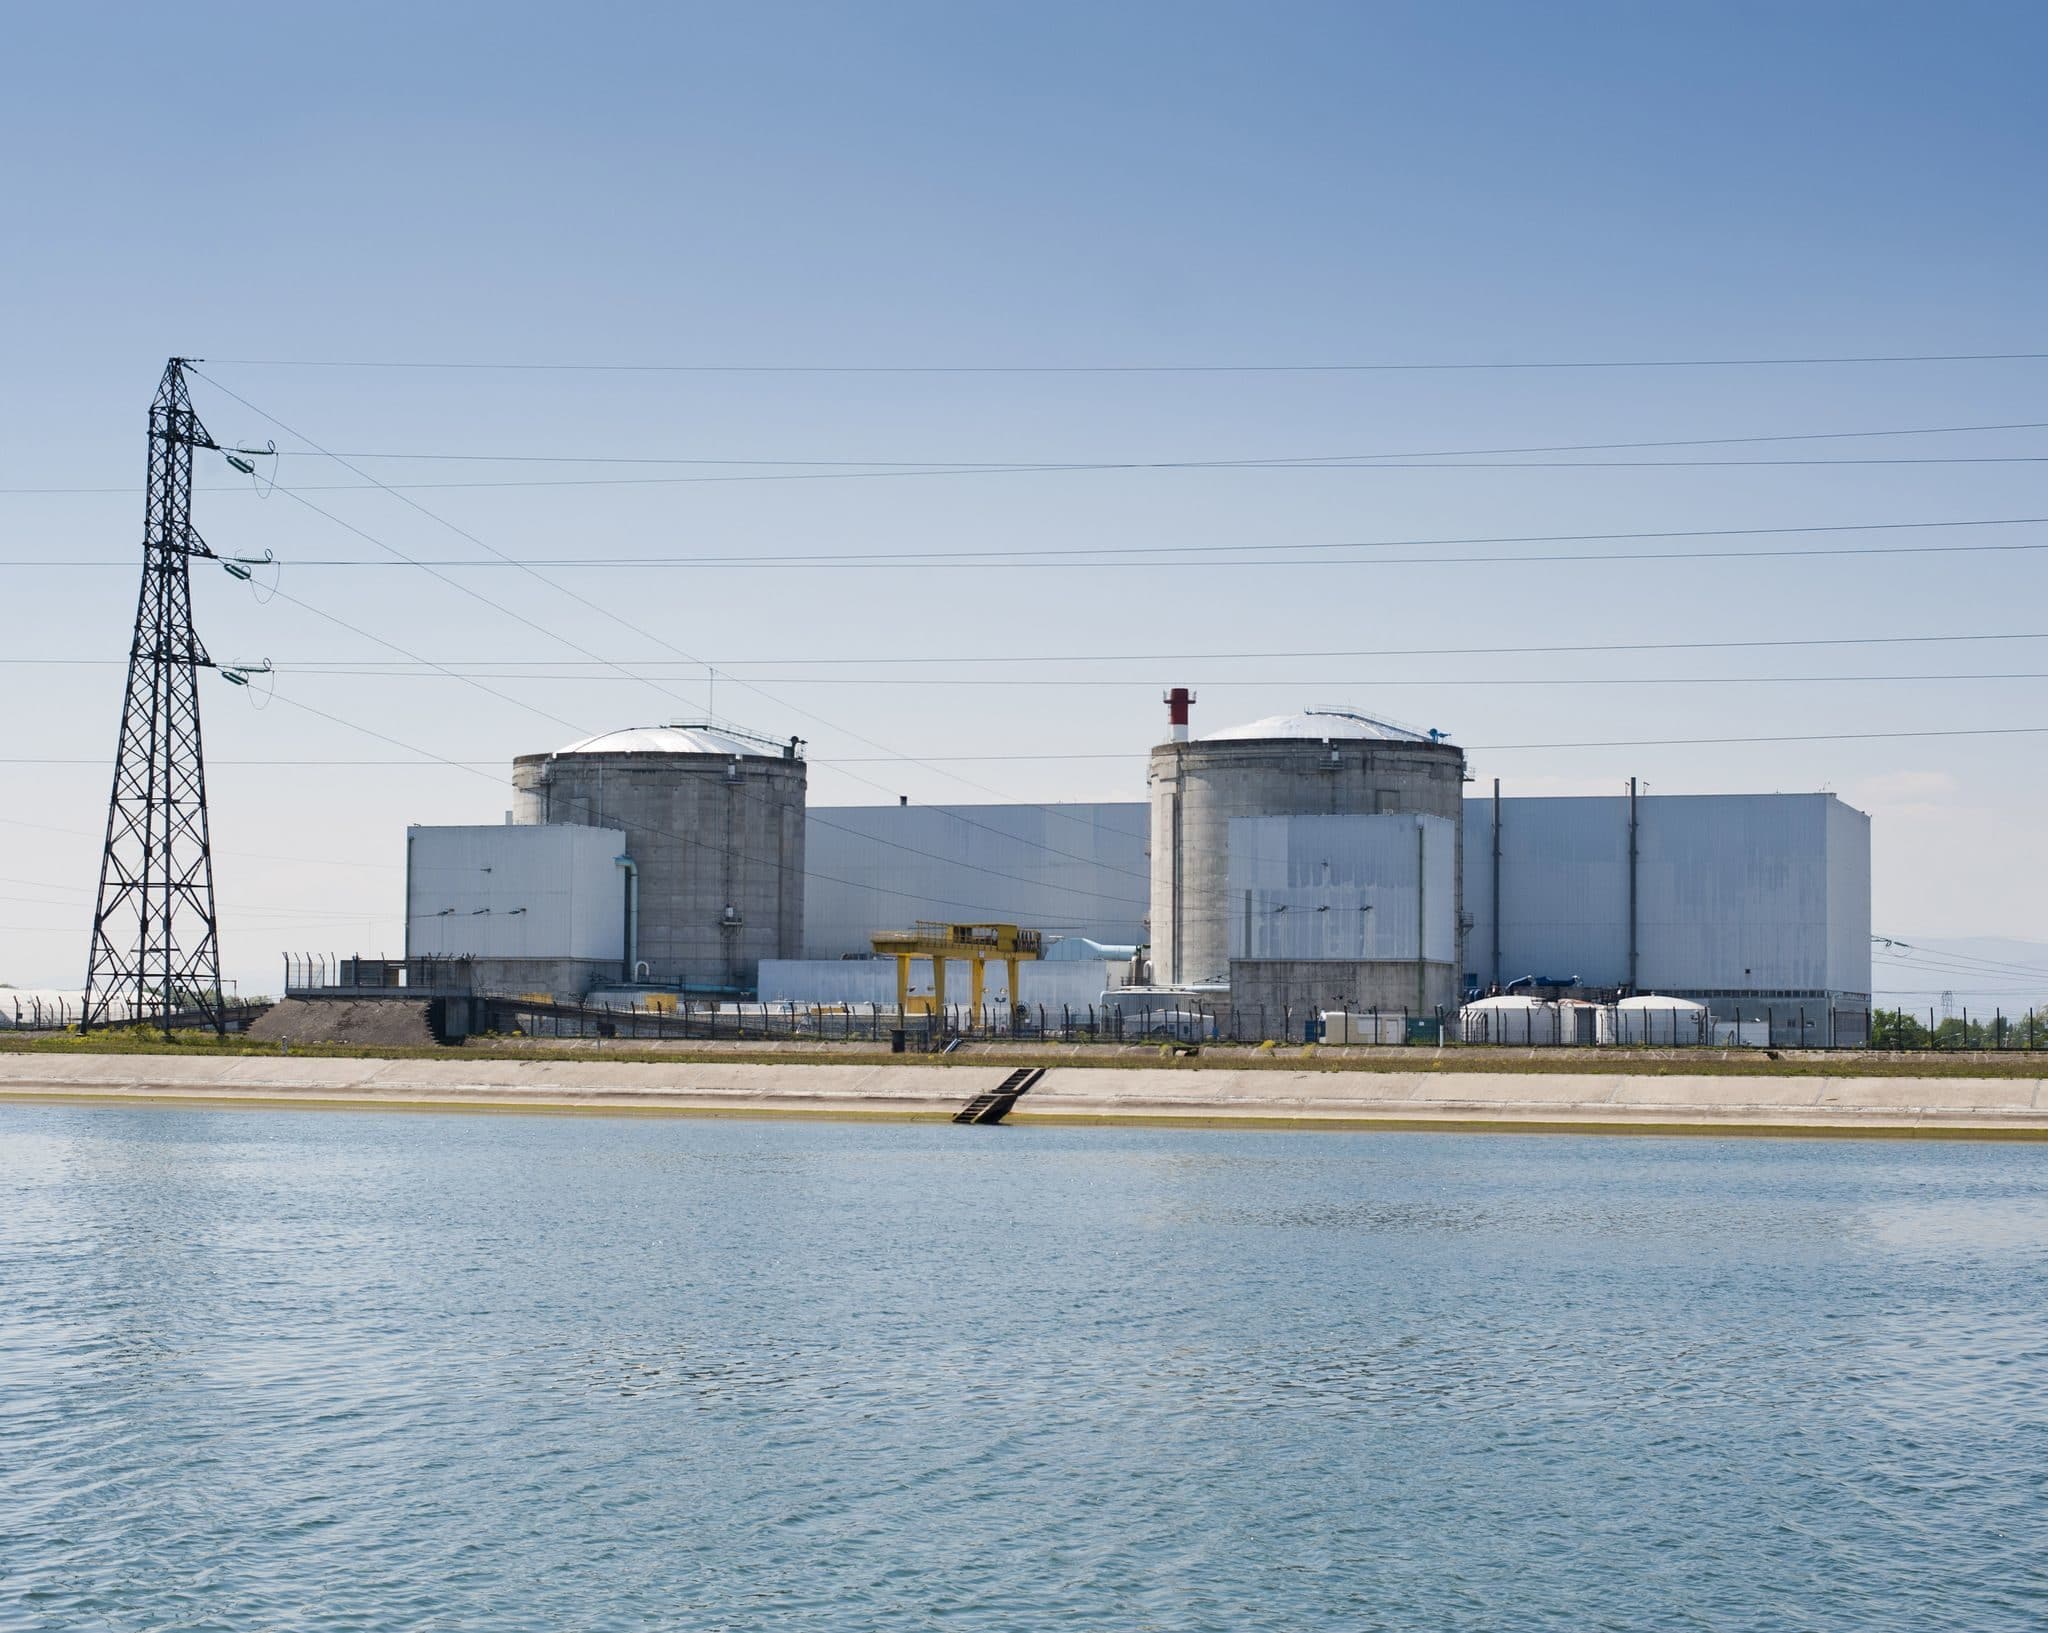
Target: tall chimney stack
[1177, 702]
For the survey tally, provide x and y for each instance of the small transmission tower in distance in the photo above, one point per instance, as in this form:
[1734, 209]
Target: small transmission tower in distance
[155, 939]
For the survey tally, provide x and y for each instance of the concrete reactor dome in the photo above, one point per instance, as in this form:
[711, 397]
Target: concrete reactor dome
[1320, 726]
[681, 738]
[713, 819]
[1309, 860]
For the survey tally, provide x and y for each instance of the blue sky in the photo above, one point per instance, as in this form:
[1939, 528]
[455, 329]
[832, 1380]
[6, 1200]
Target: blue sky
[1030, 185]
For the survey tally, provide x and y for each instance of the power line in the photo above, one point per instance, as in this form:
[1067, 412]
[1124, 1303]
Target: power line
[1362, 463]
[428, 663]
[1037, 682]
[1476, 366]
[1041, 682]
[582, 600]
[1062, 658]
[575, 727]
[1135, 754]
[238, 855]
[775, 864]
[584, 730]
[1254, 460]
[1931, 956]
[1635, 742]
[1251, 554]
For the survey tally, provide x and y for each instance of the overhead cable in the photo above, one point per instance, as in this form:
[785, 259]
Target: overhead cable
[1376, 367]
[1109, 555]
[598, 607]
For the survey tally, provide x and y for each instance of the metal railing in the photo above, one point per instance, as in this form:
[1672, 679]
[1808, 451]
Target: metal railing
[325, 975]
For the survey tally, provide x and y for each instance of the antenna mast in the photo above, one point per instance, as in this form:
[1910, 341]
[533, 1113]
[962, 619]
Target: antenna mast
[155, 939]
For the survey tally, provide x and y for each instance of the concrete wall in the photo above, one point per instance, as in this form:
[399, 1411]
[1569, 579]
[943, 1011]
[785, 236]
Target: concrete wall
[560, 977]
[1065, 869]
[709, 833]
[1752, 893]
[1263, 991]
[504, 892]
[1197, 788]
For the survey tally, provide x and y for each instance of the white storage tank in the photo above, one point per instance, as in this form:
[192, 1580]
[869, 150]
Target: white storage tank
[1578, 1023]
[1650, 1019]
[714, 826]
[1509, 1018]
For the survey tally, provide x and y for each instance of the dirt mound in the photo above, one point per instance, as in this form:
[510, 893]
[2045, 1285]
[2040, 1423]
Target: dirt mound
[383, 1021]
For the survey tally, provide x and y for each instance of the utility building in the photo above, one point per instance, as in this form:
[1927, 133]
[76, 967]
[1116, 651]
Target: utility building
[1757, 905]
[520, 909]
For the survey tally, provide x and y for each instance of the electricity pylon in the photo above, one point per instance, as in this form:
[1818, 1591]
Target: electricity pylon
[155, 939]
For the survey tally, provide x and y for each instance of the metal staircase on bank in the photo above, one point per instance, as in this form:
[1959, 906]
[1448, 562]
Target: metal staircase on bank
[997, 1104]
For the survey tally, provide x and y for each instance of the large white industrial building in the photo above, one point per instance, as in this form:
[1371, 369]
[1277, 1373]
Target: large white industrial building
[1319, 860]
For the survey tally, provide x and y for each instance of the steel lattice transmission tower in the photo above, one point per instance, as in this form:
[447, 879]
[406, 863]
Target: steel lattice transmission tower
[155, 939]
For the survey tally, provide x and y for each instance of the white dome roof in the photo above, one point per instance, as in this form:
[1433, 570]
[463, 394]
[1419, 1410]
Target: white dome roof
[679, 739]
[1651, 1000]
[1316, 725]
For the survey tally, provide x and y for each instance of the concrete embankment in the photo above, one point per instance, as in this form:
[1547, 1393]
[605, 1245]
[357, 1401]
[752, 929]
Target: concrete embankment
[1219, 1096]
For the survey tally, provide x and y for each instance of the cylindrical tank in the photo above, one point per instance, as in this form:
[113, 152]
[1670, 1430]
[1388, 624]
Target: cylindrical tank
[1510, 1018]
[1322, 762]
[1649, 1018]
[714, 825]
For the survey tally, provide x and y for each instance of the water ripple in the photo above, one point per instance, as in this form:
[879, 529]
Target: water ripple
[321, 1372]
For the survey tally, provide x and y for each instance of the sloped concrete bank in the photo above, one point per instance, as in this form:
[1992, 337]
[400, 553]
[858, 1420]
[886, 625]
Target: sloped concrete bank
[1967, 1107]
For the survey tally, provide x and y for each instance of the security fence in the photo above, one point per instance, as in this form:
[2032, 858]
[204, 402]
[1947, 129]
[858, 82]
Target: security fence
[1550, 1026]
[1773, 1022]
[47, 1012]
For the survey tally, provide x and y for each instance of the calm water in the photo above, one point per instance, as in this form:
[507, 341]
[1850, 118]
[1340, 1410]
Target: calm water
[317, 1371]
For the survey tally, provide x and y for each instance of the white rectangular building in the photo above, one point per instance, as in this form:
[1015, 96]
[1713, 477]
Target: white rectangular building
[1764, 896]
[539, 905]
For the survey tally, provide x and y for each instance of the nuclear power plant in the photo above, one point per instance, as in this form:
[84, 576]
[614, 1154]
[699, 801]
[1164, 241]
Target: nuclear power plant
[1326, 860]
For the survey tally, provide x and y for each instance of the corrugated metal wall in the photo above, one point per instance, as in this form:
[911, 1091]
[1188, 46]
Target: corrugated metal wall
[515, 892]
[1065, 869]
[1848, 899]
[1736, 892]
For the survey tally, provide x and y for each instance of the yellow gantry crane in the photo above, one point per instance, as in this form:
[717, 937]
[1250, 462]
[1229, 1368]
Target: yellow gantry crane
[976, 943]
